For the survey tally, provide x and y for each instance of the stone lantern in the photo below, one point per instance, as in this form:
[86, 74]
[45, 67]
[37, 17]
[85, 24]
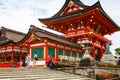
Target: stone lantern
[87, 59]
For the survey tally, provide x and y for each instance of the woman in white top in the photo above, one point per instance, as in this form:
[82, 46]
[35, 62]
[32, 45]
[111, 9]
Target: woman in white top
[35, 59]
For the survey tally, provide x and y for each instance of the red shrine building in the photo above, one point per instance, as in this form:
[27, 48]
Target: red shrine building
[75, 20]
[79, 22]
[14, 46]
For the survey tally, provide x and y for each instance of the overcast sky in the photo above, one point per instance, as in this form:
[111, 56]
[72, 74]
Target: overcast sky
[20, 14]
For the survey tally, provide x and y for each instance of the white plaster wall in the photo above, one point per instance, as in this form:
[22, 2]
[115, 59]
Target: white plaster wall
[41, 62]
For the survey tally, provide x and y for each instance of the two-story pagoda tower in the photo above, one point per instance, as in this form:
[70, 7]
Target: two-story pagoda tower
[78, 22]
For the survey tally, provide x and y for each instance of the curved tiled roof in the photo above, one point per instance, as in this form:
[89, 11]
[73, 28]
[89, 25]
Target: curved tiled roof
[9, 35]
[78, 2]
[48, 35]
[96, 6]
[4, 40]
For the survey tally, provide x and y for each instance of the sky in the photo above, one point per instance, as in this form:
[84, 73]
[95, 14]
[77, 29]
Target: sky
[20, 14]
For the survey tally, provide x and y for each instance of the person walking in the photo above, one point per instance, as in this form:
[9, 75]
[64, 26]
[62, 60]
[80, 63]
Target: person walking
[27, 60]
[35, 58]
[49, 59]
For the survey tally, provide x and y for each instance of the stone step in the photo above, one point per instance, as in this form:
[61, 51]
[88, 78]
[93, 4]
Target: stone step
[52, 78]
[37, 74]
[39, 77]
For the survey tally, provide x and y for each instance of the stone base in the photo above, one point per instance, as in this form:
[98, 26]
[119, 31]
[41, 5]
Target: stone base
[108, 58]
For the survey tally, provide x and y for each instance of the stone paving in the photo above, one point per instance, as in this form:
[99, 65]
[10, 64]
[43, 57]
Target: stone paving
[37, 74]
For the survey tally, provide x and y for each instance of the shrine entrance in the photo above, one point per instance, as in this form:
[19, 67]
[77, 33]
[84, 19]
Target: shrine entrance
[78, 22]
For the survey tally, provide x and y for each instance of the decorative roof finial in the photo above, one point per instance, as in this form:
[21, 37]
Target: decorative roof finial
[32, 26]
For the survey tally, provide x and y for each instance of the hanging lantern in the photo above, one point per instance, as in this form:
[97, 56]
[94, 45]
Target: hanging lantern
[79, 42]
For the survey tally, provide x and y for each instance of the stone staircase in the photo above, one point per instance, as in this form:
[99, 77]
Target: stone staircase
[37, 74]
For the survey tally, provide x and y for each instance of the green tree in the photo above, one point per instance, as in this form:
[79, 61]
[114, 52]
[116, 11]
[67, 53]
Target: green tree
[117, 50]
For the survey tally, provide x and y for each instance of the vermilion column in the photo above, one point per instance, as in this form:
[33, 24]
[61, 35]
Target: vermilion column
[12, 54]
[64, 52]
[45, 52]
[93, 52]
[5, 54]
[56, 53]
[20, 53]
[101, 54]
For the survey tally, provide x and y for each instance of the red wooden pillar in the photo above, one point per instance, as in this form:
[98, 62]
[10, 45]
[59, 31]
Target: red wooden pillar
[93, 52]
[5, 54]
[71, 53]
[101, 54]
[46, 52]
[56, 53]
[28, 49]
[20, 53]
[64, 51]
[12, 53]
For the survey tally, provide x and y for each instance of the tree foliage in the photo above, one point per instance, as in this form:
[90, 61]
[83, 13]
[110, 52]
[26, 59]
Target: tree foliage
[117, 50]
